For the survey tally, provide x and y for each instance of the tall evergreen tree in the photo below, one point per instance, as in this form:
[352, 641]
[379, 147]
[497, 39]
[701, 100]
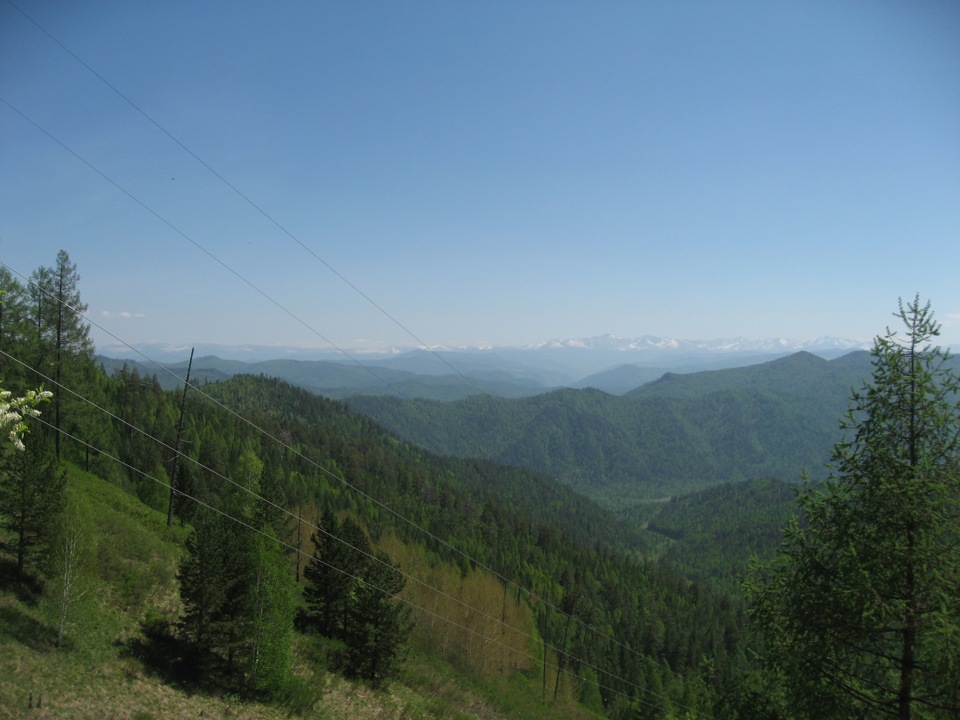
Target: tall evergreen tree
[31, 495]
[339, 558]
[376, 623]
[238, 591]
[14, 328]
[861, 606]
[41, 318]
[208, 581]
[71, 334]
[64, 349]
[351, 595]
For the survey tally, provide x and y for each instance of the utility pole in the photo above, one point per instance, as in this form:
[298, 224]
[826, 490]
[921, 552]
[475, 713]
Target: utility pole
[176, 447]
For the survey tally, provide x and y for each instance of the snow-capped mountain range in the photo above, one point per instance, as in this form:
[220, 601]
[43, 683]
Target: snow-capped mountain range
[621, 349]
[739, 344]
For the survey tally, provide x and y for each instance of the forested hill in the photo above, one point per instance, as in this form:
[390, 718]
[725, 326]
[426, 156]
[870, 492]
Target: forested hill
[800, 374]
[494, 574]
[340, 379]
[642, 629]
[409, 480]
[660, 631]
[711, 535]
[678, 434]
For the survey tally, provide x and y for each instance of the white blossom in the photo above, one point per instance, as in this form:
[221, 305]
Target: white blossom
[13, 411]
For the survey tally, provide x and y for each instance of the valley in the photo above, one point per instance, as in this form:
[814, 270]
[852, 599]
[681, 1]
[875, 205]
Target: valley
[250, 547]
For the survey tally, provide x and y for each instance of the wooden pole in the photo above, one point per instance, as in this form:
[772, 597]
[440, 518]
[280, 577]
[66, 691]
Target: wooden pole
[176, 447]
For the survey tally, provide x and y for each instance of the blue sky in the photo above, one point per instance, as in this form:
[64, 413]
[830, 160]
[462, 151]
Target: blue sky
[487, 172]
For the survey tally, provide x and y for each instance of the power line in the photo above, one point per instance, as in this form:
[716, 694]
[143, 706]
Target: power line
[288, 312]
[408, 602]
[530, 595]
[249, 283]
[244, 488]
[241, 194]
[266, 296]
[477, 563]
[483, 636]
[482, 614]
[197, 245]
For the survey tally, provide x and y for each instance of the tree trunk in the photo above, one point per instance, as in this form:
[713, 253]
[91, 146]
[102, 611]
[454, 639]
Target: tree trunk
[909, 647]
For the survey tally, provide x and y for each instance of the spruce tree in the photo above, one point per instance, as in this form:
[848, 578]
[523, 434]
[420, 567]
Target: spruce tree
[14, 329]
[861, 607]
[31, 496]
[64, 349]
[237, 590]
[351, 596]
[339, 557]
[376, 623]
[215, 575]
[207, 582]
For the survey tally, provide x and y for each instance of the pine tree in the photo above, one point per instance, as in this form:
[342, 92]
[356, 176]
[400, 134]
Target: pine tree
[351, 596]
[215, 575]
[861, 606]
[376, 623]
[338, 559]
[64, 349]
[237, 590]
[14, 328]
[31, 495]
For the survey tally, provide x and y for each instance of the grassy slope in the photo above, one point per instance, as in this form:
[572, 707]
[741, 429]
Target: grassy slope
[131, 559]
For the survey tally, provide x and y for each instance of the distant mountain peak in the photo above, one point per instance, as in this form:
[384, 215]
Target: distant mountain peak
[599, 350]
[737, 344]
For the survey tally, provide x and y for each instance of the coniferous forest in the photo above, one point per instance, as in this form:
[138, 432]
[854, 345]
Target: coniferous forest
[249, 548]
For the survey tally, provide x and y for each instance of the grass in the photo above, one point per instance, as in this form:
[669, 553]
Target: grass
[101, 670]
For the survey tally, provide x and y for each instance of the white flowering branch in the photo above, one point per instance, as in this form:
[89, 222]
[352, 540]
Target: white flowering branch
[15, 410]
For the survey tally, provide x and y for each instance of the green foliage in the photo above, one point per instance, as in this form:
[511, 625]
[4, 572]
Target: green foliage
[679, 434]
[351, 596]
[31, 497]
[711, 535]
[213, 576]
[238, 592]
[15, 331]
[509, 541]
[63, 345]
[273, 601]
[860, 607]
[548, 539]
[377, 625]
[338, 549]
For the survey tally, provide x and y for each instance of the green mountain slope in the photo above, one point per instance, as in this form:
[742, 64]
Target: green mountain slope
[711, 535]
[339, 380]
[801, 374]
[639, 625]
[674, 435]
[107, 666]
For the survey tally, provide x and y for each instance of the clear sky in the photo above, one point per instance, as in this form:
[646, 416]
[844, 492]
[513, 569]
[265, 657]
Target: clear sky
[487, 172]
